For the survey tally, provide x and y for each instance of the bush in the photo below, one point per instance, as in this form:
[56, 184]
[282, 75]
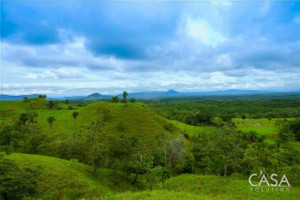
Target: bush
[15, 183]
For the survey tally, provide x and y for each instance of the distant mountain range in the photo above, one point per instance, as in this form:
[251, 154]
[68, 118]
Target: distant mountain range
[96, 96]
[4, 97]
[146, 95]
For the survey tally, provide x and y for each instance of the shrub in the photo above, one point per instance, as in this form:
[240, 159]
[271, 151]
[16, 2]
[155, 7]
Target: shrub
[15, 183]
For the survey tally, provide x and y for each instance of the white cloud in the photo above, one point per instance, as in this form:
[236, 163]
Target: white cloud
[56, 73]
[226, 3]
[204, 33]
[44, 75]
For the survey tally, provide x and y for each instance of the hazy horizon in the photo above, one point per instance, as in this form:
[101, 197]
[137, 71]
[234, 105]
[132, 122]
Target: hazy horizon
[48, 47]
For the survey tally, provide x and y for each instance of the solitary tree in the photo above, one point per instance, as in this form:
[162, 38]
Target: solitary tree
[25, 99]
[42, 96]
[23, 118]
[50, 121]
[115, 99]
[67, 101]
[243, 118]
[125, 94]
[50, 104]
[75, 115]
[97, 149]
[132, 100]
[269, 118]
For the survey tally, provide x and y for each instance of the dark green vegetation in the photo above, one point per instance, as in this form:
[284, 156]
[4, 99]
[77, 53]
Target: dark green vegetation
[168, 149]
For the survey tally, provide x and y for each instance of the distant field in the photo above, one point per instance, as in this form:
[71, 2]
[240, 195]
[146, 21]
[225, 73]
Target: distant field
[192, 130]
[261, 126]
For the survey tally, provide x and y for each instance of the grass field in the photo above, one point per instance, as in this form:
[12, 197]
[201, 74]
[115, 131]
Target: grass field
[261, 126]
[192, 130]
[192, 187]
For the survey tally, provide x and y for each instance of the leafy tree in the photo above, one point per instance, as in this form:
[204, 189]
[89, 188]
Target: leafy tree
[25, 99]
[31, 115]
[56, 102]
[50, 104]
[226, 117]
[155, 175]
[75, 115]
[115, 99]
[97, 150]
[43, 96]
[270, 115]
[172, 150]
[132, 100]
[28, 117]
[50, 120]
[125, 94]
[34, 140]
[16, 184]
[12, 135]
[294, 127]
[285, 134]
[243, 118]
[140, 161]
[228, 143]
[23, 118]
[120, 151]
[67, 101]
[202, 117]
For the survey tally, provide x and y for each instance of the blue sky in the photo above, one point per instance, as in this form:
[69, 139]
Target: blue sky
[75, 48]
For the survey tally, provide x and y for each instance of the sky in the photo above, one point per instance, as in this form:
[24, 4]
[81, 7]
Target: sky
[76, 48]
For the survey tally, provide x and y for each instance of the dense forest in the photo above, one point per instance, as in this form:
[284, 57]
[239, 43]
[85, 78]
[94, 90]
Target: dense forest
[203, 110]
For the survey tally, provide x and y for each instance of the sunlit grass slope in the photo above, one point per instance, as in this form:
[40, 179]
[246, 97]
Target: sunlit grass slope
[223, 188]
[131, 119]
[58, 178]
[192, 130]
[157, 195]
[261, 126]
[194, 187]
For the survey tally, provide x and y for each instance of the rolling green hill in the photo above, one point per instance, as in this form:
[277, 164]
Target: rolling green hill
[131, 119]
[58, 178]
[61, 179]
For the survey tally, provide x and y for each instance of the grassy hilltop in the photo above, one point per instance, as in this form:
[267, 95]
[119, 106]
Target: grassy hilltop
[131, 119]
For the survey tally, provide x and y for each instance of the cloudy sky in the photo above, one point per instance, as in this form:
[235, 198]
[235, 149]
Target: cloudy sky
[76, 48]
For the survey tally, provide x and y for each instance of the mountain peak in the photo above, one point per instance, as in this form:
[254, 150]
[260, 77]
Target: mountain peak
[172, 91]
[96, 95]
